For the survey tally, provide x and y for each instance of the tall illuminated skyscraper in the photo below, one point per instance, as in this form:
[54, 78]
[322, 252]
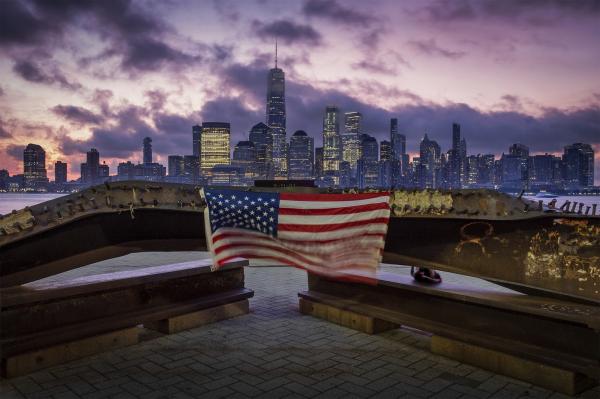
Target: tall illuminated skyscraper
[214, 145]
[276, 118]
[351, 148]
[331, 144]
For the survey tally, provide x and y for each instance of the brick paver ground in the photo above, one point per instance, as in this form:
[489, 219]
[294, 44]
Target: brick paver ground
[273, 352]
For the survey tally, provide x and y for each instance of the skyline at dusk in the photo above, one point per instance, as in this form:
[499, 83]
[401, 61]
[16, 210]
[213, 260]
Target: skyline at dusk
[79, 75]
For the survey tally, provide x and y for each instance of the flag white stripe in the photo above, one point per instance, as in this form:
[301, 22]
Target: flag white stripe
[375, 228]
[330, 204]
[329, 219]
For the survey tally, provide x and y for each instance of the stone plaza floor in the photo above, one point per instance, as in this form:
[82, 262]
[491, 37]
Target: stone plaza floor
[273, 352]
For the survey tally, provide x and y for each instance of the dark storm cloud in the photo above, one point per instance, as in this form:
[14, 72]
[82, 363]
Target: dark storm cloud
[531, 11]
[78, 115]
[4, 134]
[430, 47]
[375, 67]
[336, 12]
[120, 135]
[236, 112]
[44, 74]
[148, 54]
[19, 26]
[288, 32]
[15, 151]
[130, 30]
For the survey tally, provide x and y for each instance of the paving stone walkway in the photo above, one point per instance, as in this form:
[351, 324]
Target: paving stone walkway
[274, 352]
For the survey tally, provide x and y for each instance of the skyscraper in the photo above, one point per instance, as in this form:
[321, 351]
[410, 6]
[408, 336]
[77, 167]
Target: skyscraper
[90, 170]
[430, 163]
[175, 165]
[397, 140]
[301, 156]
[244, 157]
[351, 140]
[399, 158]
[214, 145]
[147, 150]
[60, 172]
[196, 133]
[578, 161]
[385, 150]
[318, 162]
[331, 144]
[455, 161]
[276, 118]
[262, 137]
[34, 166]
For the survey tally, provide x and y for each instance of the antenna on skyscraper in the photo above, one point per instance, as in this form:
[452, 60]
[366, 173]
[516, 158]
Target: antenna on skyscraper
[276, 53]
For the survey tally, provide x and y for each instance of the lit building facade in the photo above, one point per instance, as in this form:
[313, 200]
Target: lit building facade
[276, 119]
[331, 144]
[351, 149]
[34, 167]
[262, 137]
[578, 163]
[214, 145]
[301, 156]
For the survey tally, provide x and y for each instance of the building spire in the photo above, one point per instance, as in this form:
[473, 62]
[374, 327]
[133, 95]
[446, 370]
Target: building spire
[275, 53]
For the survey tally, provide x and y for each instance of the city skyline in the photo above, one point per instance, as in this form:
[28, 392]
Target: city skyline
[69, 102]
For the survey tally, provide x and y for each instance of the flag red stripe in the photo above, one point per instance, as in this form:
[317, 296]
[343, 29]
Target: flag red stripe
[334, 211]
[330, 227]
[329, 197]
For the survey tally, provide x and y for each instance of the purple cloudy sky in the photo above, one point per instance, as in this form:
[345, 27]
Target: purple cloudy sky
[79, 74]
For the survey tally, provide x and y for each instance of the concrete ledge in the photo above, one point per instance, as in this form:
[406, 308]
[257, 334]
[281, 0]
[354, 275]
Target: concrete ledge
[179, 323]
[549, 377]
[28, 362]
[356, 321]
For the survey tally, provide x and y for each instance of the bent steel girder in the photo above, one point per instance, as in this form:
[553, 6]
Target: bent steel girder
[475, 232]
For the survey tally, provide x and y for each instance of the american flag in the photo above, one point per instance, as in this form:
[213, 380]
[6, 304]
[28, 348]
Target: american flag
[336, 235]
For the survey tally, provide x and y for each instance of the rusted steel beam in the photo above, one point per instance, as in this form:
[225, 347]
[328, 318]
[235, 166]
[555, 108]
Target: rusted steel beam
[39, 315]
[478, 232]
[558, 333]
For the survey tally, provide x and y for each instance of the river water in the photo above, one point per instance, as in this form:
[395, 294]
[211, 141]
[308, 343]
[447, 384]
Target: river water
[10, 201]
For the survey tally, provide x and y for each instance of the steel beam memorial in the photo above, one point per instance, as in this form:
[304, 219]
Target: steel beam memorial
[548, 256]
